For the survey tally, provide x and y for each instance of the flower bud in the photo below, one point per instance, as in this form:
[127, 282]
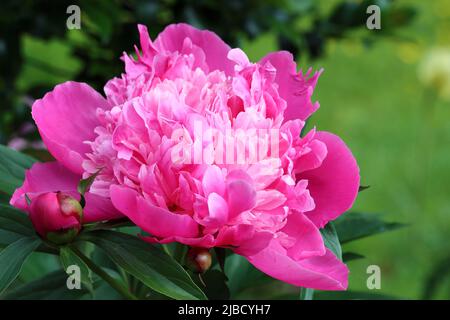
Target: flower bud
[56, 216]
[198, 260]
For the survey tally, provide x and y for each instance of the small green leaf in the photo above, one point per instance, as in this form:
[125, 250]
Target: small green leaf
[12, 258]
[146, 262]
[362, 188]
[349, 256]
[331, 240]
[69, 258]
[52, 286]
[12, 169]
[352, 226]
[306, 294]
[85, 184]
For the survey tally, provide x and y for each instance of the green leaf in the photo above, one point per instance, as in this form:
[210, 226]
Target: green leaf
[50, 287]
[85, 184]
[331, 240]
[12, 258]
[146, 262]
[12, 169]
[221, 256]
[306, 294]
[353, 226]
[243, 275]
[15, 221]
[349, 256]
[214, 285]
[8, 237]
[362, 188]
[69, 258]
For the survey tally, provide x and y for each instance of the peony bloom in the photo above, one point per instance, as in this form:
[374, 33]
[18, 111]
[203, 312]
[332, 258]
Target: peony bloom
[266, 204]
[56, 216]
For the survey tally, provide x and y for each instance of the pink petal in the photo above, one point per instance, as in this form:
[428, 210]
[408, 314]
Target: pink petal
[218, 210]
[308, 238]
[294, 87]
[213, 181]
[53, 177]
[334, 185]
[66, 118]
[215, 50]
[206, 241]
[321, 272]
[157, 221]
[42, 178]
[241, 197]
[243, 239]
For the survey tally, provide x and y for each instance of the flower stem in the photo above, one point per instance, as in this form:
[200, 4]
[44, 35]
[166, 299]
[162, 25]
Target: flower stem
[105, 276]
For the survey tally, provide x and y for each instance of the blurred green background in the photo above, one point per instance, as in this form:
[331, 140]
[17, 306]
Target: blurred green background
[385, 92]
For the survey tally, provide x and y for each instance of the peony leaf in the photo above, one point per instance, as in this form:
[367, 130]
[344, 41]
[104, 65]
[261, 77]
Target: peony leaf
[12, 169]
[69, 258]
[353, 226]
[15, 221]
[13, 257]
[331, 239]
[146, 262]
[214, 284]
[242, 275]
[50, 287]
[349, 256]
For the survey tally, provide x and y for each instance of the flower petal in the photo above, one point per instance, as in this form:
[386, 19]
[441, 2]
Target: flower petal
[42, 178]
[215, 50]
[66, 118]
[308, 240]
[294, 87]
[321, 272]
[157, 221]
[53, 177]
[334, 185]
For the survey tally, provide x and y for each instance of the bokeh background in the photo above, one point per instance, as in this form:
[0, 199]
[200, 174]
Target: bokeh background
[385, 92]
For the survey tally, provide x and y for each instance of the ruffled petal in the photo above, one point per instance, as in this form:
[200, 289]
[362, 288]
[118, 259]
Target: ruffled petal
[53, 177]
[294, 87]
[321, 272]
[157, 221]
[333, 185]
[215, 50]
[66, 118]
[308, 240]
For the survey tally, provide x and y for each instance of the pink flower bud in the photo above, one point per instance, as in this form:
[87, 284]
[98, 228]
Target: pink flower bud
[56, 216]
[198, 260]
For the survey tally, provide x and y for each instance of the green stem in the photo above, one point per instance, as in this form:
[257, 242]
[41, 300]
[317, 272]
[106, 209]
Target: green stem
[105, 276]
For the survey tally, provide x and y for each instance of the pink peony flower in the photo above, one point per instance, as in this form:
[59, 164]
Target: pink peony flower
[266, 205]
[56, 216]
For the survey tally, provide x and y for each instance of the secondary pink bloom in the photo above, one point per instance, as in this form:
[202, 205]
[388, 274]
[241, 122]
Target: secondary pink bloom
[56, 216]
[268, 209]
